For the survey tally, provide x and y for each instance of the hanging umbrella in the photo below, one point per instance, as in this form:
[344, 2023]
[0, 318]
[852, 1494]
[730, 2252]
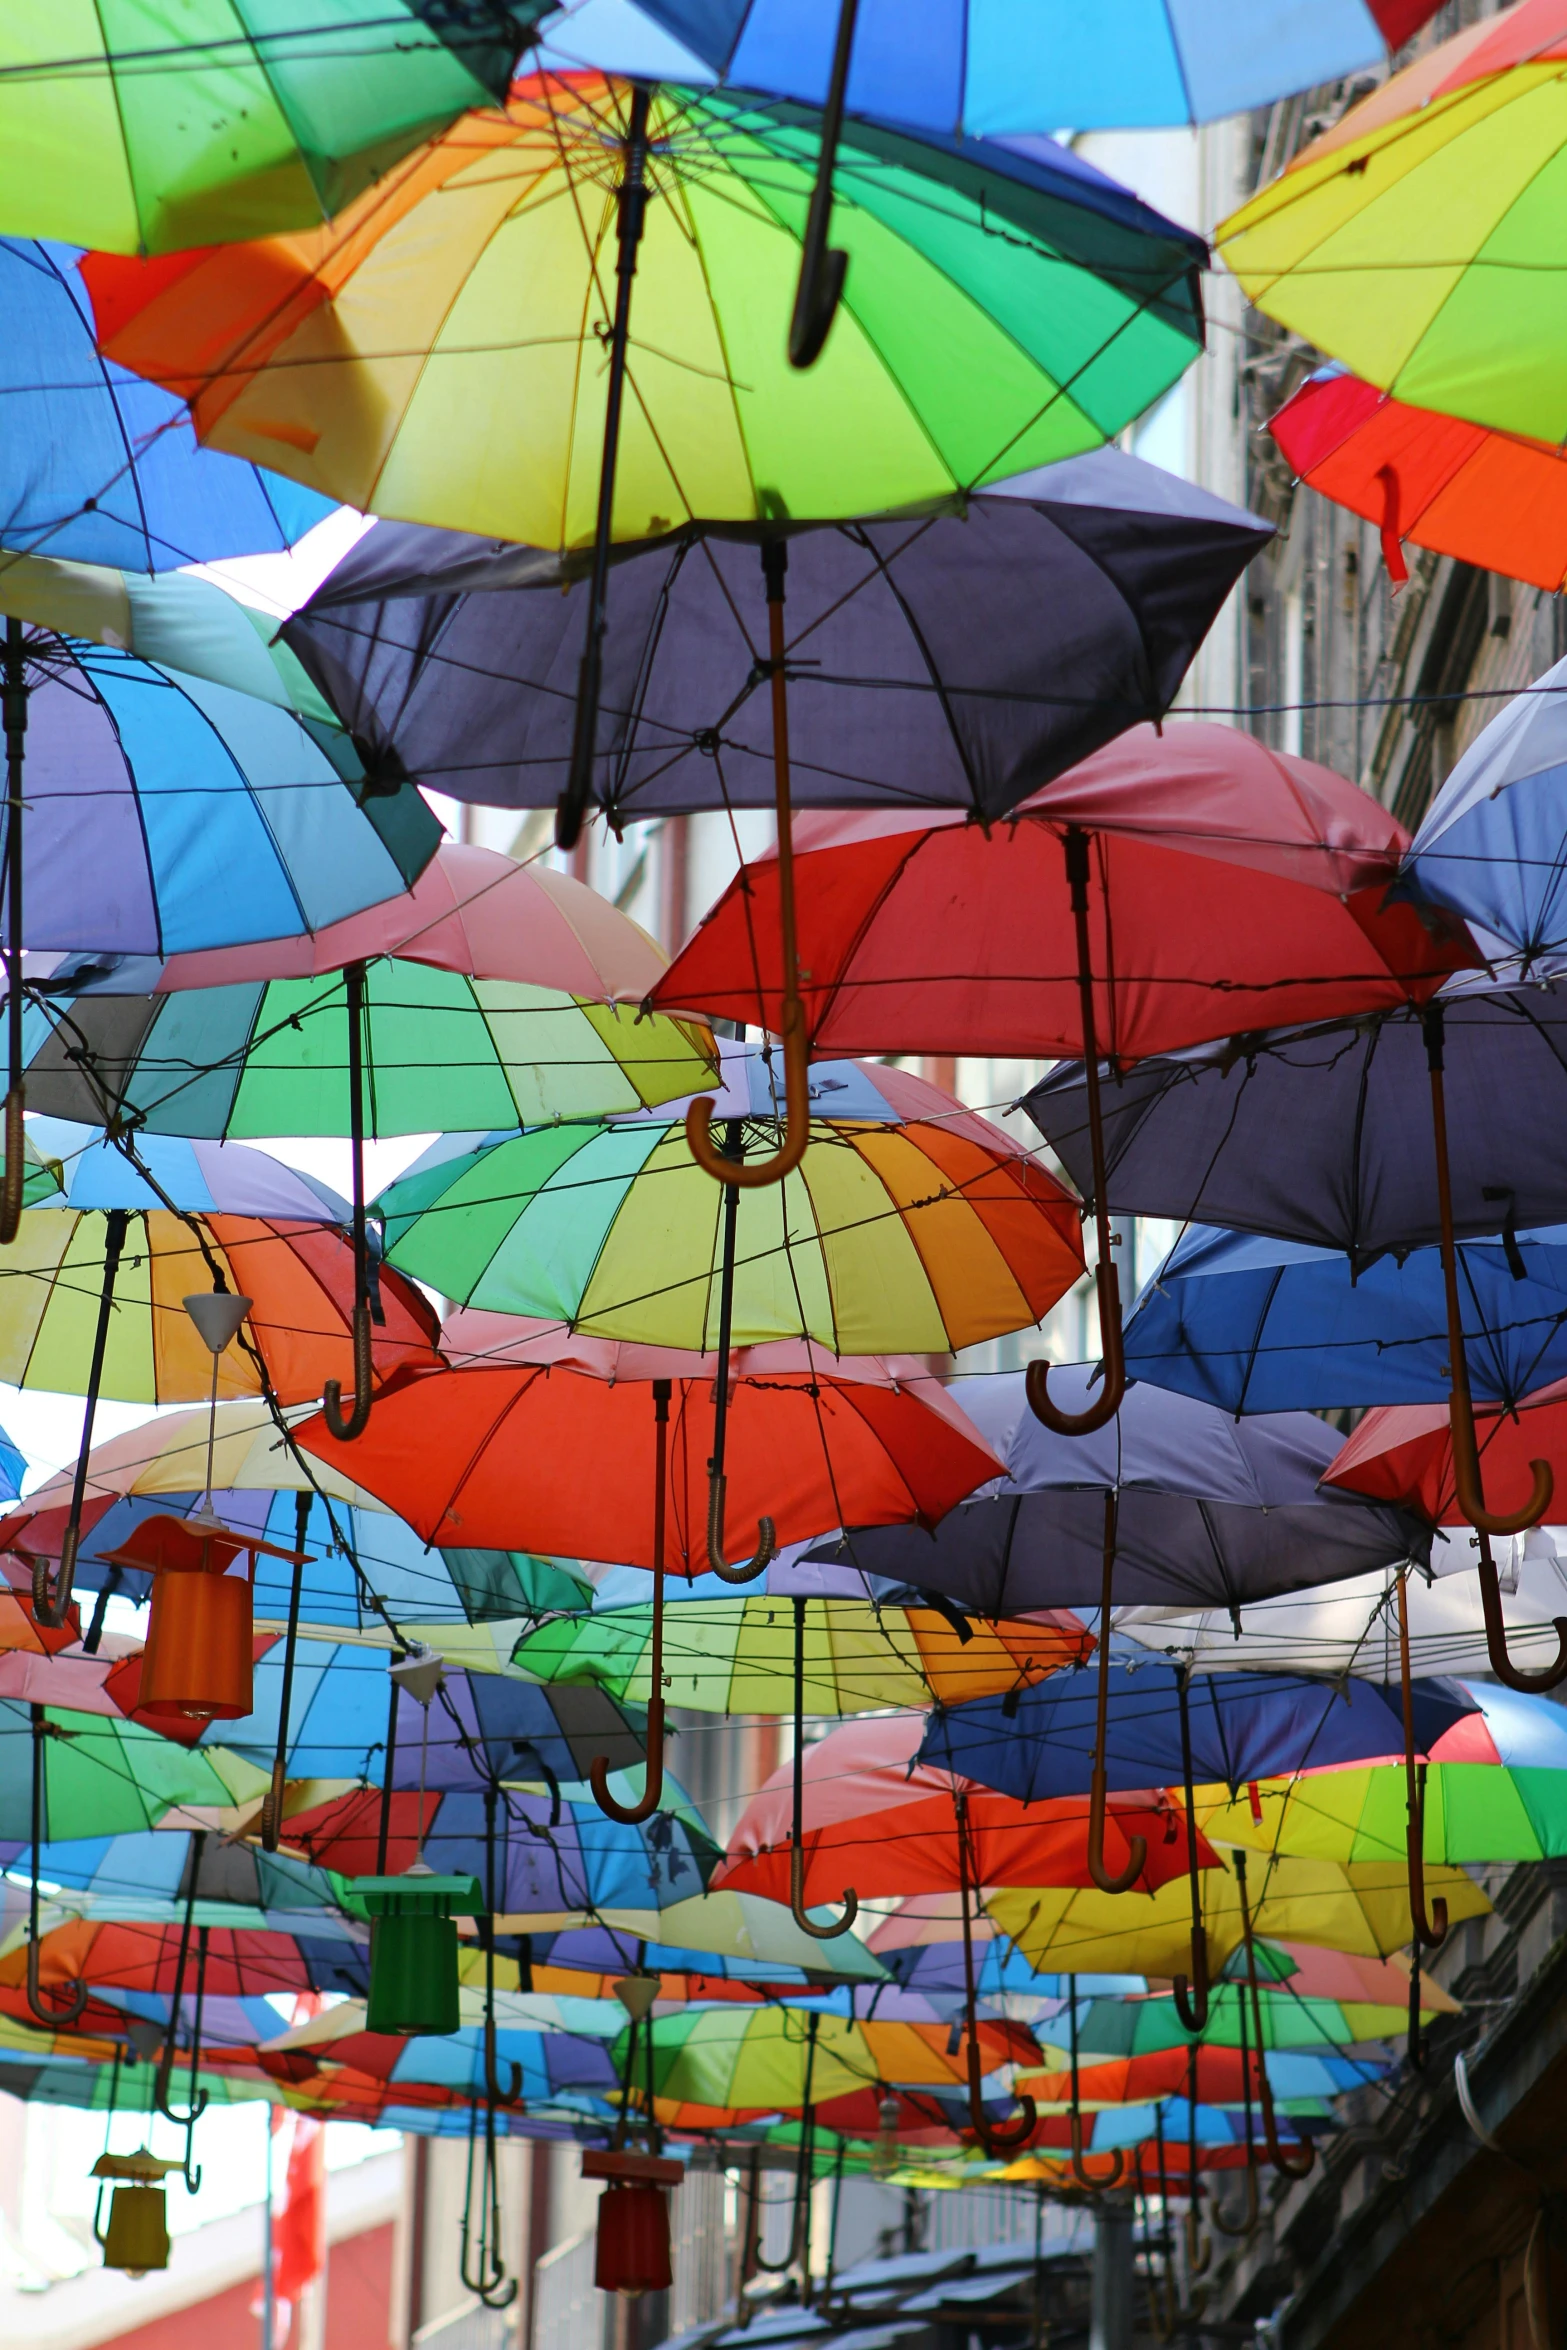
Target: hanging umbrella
[1269, 1325]
[1314, 2001]
[246, 1960]
[1252, 883]
[98, 1775]
[909, 1223]
[865, 1648]
[147, 138]
[1299, 2080]
[1487, 498]
[739, 1937]
[100, 467]
[1407, 239]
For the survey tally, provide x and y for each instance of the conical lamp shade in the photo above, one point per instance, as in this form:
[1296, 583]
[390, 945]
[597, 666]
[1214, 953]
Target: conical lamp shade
[217, 1314]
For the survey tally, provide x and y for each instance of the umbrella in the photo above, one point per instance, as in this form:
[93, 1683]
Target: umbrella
[101, 1775]
[909, 1224]
[724, 2064]
[1318, 1089]
[1487, 498]
[1269, 1325]
[100, 467]
[507, 981]
[1360, 1907]
[147, 139]
[1252, 883]
[864, 1648]
[1313, 1999]
[1407, 240]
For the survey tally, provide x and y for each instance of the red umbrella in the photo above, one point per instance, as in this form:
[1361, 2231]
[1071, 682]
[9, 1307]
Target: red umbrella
[1168, 890]
[1488, 498]
[859, 1801]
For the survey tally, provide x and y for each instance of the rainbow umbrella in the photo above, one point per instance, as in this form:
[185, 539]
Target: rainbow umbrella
[709, 2063]
[909, 1224]
[1415, 240]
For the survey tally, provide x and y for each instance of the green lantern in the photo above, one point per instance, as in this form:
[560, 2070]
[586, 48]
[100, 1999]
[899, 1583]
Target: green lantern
[413, 1948]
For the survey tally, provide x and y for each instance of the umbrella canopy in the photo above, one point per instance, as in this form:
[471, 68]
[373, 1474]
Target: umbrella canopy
[1490, 846]
[143, 138]
[1206, 1506]
[98, 466]
[1305, 1133]
[1311, 1998]
[963, 354]
[166, 812]
[1404, 1453]
[1252, 882]
[1223, 2076]
[879, 1817]
[557, 1454]
[1242, 1727]
[1269, 1325]
[734, 2063]
[102, 1776]
[1361, 1908]
[863, 1648]
[242, 1961]
[494, 994]
[1409, 239]
[993, 73]
[1059, 608]
[910, 1224]
[1487, 498]
[245, 1221]
[551, 2062]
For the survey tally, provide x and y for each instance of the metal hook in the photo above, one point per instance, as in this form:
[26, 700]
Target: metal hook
[629, 1815]
[1107, 1284]
[1468, 1487]
[1136, 1846]
[851, 1903]
[754, 1174]
[345, 1428]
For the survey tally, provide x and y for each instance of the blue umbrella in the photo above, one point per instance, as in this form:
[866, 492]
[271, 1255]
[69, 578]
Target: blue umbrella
[97, 466]
[1257, 1325]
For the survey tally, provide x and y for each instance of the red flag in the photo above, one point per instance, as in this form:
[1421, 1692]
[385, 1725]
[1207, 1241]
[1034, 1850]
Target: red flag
[299, 2236]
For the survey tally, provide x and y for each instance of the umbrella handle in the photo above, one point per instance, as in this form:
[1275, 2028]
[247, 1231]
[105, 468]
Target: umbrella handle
[1270, 2131]
[1191, 1998]
[1136, 1846]
[632, 1815]
[1468, 1489]
[1199, 2247]
[823, 267]
[513, 2096]
[51, 1604]
[41, 2006]
[1248, 2226]
[1430, 1925]
[1086, 2179]
[15, 1165]
[766, 1538]
[851, 1902]
[345, 1429]
[1496, 1634]
[996, 2137]
[1036, 1379]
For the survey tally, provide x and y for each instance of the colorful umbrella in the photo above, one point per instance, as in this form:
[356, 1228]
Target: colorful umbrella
[1068, 323]
[1404, 1453]
[1062, 606]
[1271, 1326]
[909, 1224]
[101, 1776]
[1409, 239]
[1487, 498]
[1313, 1999]
[100, 467]
[142, 137]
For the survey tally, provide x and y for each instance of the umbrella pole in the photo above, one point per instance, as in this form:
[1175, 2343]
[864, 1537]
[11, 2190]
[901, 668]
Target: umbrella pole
[51, 1608]
[1467, 1484]
[355, 1423]
[165, 2073]
[15, 714]
[272, 1801]
[195, 2098]
[1270, 2126]
[996, 2138]
[1191, 1998]
[823, 267]
[1418, 2052]
[851, 1904]
[1430, 1926]
[653, 1782]
[383, 1831]
[756, 1174]
[492, 2086]
[1107, 1282]
[1199, 2248]
[717, 1483]
[630, 213]
[1080, 2171]
[1136, 1846]
[1248, 2226]
[42, 2008]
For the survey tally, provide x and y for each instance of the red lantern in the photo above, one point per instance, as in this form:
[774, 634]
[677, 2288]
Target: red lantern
[197, 1664]
[632, 2254]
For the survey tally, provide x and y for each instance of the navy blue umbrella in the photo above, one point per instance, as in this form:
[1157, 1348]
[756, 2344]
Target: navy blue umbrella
[97, 466]
[1257, 1325]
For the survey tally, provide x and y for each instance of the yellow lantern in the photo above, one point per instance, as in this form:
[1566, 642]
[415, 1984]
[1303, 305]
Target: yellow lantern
[137, 2237]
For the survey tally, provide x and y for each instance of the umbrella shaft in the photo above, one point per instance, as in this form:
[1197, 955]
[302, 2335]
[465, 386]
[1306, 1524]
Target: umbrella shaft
[15, 711]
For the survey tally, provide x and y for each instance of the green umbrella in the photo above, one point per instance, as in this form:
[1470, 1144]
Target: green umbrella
[103, 1776]
[140, 128]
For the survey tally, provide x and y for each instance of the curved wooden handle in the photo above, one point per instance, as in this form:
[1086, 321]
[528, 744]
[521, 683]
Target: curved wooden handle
[57, 2017]
[1136, 1846]
[1199, 2248]
[766, 1539]
[493, 2090]
[1270, 2131]
[51, 1607]
[1248, 2226]
[997, 2138]
[631, 1815]
[1036, 1380]
[1532, 1684]
[851, 1903]
[358, 1420]
[1430, 1926]
[1080, 2171]
[1191, 2000]
[1467, 1488]
[757, 1174]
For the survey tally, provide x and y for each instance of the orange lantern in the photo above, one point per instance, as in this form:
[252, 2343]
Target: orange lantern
[197, 1664]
